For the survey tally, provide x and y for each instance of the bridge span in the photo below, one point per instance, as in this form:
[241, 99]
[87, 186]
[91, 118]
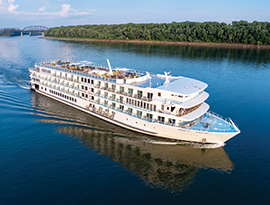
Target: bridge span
[36, 29]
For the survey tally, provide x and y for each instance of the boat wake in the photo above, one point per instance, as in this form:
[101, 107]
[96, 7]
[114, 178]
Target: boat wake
[25, 84]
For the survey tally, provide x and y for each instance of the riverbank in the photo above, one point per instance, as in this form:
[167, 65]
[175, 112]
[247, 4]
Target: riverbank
[221, 45]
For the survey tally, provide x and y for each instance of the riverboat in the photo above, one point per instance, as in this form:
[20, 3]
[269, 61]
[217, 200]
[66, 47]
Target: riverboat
[160, 105]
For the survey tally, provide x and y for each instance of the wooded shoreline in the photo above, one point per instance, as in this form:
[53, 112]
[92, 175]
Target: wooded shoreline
[203, 44]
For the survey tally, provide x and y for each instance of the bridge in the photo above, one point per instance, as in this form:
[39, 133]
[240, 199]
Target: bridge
[36, 29]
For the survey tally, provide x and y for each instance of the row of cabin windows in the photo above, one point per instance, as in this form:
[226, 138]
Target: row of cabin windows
[87, 80]
[63, 95]
[86, 88]
[168, 108]
[44, 88]
[141, 104]
[139, 113]
[132, 101]
[122, 89]
[130, 90]
[150, 116]
[180, 96]
[86, 96]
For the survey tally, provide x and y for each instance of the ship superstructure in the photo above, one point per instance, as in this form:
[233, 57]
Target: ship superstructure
[156, 104]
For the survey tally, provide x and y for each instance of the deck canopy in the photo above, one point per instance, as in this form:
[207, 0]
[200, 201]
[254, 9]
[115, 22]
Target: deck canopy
[195, 101]
[196, 113]
[184, 86]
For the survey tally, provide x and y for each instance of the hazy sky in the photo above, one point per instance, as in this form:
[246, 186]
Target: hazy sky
[21, 13]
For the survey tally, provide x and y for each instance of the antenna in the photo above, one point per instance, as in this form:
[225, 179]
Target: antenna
[110, 68]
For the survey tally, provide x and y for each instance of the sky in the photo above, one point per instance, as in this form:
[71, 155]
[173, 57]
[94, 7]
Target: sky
[52, 13]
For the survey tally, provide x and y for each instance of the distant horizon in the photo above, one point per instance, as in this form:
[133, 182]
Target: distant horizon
[54, 13]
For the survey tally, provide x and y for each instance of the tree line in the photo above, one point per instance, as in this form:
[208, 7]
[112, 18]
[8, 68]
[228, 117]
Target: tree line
[10, 32]
[212, 32]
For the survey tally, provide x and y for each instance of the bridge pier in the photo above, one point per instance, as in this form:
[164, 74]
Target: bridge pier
[21, 34]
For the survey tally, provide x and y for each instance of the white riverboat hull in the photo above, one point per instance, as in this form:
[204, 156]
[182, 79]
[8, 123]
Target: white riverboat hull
[142, 126]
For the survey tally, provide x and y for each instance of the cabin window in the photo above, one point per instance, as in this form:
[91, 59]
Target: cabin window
[113, 104]
[92, 81]
[172, 94]
[82, 86]
[83, 94]
[121, 107]
[86, 95]
[161, 119]
[89, 81]
[148, 106]
[130, 110]
[113, 96]
[144, 105]
[92, 89]
[99, 83]
[121, 89]
[139, 113]
[113, 87]
[162, 107]
[180, 96]
[159, 94]
[130, 91]
[126, 100]
[151, 107]
[168, 108]
[121, 99]
[82, 79]
[172, 109]
[85, 80]
[149, 116]
[106, 102]
[106, 85]
[92, 97]
[171, 121]
[150, 95]
[139, 92]
[85, 87]
[106, 94]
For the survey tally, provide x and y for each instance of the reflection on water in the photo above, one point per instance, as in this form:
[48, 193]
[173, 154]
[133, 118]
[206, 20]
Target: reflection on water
[159, 163]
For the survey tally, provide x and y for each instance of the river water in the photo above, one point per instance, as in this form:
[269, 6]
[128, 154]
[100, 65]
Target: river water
[51, 153]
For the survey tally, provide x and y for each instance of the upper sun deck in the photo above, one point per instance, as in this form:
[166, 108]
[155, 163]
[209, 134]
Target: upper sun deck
[86, 68]
[178, 85]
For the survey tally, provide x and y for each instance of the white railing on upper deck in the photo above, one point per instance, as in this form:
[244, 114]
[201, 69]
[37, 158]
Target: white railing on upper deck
[228, 120]
[42, 63]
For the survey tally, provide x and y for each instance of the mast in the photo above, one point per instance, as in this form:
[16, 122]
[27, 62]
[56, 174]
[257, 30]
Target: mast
[110, 68]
